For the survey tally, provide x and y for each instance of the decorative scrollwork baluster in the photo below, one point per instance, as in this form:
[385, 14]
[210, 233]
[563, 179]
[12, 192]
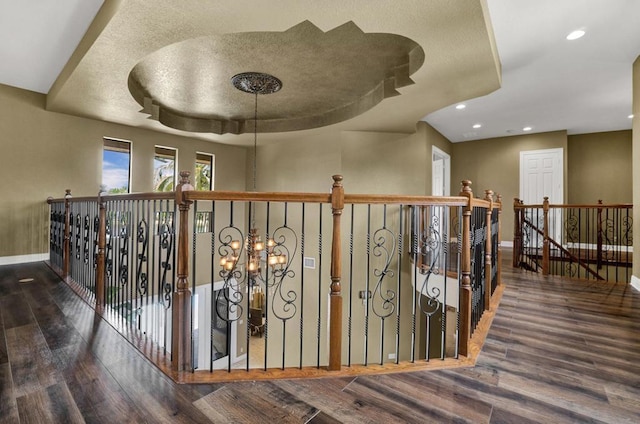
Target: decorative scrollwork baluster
[71, 235]
[166, 234]
[627, 231]
[108, 262]
[230, 250]
[85, 247]
[384, 246]
[282, 248]
[571, 227]
[123, 272]
[430, 247]
[78, 236]
[96, 229]
[143, 242]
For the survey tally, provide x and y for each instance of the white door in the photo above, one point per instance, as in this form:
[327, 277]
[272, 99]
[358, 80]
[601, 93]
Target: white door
[440, 171]
[541, 175]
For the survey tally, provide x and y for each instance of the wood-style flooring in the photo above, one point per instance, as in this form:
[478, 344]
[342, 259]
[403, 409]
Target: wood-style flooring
[557, 352]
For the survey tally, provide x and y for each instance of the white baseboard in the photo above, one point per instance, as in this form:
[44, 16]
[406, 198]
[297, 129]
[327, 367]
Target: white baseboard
[635, 282]
[22, 259]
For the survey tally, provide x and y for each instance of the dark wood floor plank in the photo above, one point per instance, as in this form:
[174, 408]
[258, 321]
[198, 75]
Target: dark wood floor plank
[322, 418]
[624, 396]
[334, 399]
[569, 391]
[95, 391]
[32, 364]
[404, 407]
[8, 406]
[9, 281]
[501, 416]
[56, 329]
[4, 358]
[16, 311]
[517, 403]
[559, 351]
[250, 402]
[51, 405]
[157, 397]
[443, 399]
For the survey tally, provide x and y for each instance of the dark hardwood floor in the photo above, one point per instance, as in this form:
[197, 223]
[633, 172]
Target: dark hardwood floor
[558, 352]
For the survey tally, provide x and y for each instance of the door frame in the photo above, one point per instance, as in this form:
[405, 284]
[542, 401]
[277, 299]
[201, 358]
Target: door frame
[436, 152]
[559, 157]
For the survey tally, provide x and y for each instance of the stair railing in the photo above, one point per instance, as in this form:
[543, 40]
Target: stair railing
[578, 241]
[130, 255]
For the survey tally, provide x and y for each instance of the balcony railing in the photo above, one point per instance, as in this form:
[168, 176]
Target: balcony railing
[576, 241]
[258, 285]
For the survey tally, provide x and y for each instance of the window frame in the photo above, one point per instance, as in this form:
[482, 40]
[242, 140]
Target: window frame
[209, 159]
[164, 152]
[120, 146]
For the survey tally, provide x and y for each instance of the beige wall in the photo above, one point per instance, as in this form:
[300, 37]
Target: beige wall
[42, 150]
[45, 153]
[371, 163]
[600, 168]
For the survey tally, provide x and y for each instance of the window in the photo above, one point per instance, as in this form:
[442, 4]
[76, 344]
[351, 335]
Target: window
[164, 169]
[116, 165]
[203, 178]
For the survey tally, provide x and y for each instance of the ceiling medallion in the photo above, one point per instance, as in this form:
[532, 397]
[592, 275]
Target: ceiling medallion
[256, 83]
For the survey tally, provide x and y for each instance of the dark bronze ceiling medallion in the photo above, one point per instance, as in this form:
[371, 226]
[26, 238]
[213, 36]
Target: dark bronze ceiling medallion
[256, 83]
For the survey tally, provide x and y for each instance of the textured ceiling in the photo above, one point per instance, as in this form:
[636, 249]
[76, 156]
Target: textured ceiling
[547, 82]
[460, 62]
[187, 85]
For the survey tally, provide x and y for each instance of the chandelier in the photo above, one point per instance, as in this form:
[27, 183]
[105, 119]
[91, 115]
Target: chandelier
[254, 83]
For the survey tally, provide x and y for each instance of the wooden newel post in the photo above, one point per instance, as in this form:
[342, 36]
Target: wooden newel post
[545, 237]
[335, 299]
[599, 237]
[517, 233]
[465, 265]
[181, 323]
[100, 251]
[488, 251]
[67, 234]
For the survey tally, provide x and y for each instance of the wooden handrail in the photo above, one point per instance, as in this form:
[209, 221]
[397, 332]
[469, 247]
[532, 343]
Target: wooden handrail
[258, 196]
[405, 200]
[574, 206]
[166, 195]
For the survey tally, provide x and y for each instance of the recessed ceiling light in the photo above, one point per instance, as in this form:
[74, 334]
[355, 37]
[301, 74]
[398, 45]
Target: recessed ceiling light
[476, 126]
[461, 106]
[630, 116]
[527, 129]
[575, 34]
